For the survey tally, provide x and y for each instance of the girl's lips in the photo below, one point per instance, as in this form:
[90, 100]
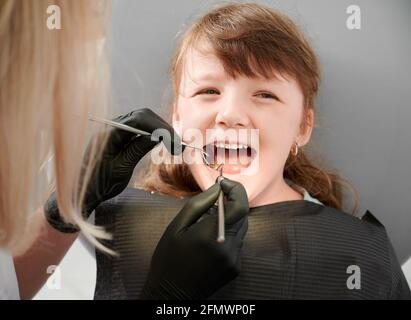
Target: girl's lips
[234, 161]
[228, 169]
[232, 169]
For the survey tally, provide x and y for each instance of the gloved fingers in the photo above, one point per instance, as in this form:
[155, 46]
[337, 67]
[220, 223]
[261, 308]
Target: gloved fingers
[170, 139]
[135, 150]
[195, 208]
[236, 206]
[232, 249]
[161, 131]
[235, 237]
[147, 120]
[238, 263]
[243, 229]
[207, 230]
[119, 138]
[238, 230]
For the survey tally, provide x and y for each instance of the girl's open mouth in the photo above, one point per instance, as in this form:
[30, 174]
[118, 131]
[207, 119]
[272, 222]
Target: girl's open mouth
[235, 156]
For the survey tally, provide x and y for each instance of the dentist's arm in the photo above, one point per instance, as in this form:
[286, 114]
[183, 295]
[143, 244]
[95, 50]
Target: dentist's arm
[44, 247]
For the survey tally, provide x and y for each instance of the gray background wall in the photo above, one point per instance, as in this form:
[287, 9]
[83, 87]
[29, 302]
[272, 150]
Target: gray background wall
[364, 102]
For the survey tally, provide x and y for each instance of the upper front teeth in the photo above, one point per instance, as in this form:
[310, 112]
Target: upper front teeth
[231, 146]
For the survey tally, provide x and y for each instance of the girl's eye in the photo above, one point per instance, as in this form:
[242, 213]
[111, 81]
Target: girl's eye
[209, 92]
[266, 95]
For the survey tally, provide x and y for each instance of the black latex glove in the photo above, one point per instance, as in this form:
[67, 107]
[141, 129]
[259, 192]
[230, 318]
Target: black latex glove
[120, 156]
[124, 150]
[188, 262]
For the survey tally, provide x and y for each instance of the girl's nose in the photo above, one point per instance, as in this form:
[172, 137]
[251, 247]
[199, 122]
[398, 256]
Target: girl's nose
[232, 115]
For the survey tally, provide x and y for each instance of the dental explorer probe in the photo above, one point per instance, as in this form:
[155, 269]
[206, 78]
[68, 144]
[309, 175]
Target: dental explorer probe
[221, 214]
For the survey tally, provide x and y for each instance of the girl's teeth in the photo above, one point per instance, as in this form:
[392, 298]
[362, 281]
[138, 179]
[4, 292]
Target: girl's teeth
[231, 146]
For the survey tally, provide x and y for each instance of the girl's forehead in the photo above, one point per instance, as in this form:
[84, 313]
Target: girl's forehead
[197, 61]
[210, 69]
[202, 64]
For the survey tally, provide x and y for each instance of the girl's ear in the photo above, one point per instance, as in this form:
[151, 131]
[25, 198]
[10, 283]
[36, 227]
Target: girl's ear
[306, 129]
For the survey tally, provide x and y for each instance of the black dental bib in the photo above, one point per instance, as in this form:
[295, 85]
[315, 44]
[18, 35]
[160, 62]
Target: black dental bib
[292, 250]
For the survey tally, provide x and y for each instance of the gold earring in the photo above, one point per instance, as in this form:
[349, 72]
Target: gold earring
[294, 149]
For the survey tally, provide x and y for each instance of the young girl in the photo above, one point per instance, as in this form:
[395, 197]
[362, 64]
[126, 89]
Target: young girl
[245, 67]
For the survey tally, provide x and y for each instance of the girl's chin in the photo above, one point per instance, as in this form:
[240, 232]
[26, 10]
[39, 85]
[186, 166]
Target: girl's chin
[207, 177]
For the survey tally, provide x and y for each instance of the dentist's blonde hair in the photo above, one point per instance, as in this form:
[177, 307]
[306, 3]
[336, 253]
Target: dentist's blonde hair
[51, 80]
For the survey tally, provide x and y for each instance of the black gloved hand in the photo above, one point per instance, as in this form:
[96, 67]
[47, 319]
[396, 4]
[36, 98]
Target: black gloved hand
[120, 156]
[188, 262]
[124, 150]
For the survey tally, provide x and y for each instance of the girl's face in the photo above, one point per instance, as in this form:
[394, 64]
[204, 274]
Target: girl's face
[210, 99]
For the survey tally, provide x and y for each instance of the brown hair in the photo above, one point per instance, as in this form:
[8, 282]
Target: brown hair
[252, 40]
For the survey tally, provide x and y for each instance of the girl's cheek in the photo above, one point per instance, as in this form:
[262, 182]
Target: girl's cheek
[194, 113]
